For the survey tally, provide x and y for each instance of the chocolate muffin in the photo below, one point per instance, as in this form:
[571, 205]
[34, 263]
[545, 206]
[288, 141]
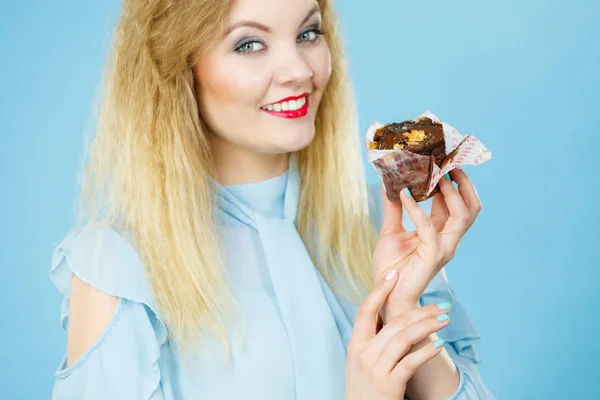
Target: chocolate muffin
[423, 136]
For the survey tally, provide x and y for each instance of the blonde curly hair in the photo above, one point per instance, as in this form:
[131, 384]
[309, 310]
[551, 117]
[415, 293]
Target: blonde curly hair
[149, 167]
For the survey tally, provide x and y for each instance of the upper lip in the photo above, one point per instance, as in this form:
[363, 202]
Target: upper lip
[289, 98]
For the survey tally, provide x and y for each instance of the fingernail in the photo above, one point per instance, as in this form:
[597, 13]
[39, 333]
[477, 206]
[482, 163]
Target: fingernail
[444, 306]
[439, 343]
[390, 275]
[407, 193]
[443, 317]
[447, 176]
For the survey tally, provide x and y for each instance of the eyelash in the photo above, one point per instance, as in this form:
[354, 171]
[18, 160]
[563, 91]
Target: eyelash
[240, 46]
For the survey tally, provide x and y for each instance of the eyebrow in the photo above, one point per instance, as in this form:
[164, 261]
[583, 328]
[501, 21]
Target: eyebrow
[262, 27]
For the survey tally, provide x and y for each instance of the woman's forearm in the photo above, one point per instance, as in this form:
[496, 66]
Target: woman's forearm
[436, 380]
[448, 376]
[439, 378]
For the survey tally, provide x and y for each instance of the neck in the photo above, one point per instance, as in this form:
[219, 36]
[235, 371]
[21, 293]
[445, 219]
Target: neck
[237, 166]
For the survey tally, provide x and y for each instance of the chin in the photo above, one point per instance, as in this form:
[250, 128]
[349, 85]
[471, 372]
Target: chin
[295, 141]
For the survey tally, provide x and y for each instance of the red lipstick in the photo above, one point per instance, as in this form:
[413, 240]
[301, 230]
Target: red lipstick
[301, 112]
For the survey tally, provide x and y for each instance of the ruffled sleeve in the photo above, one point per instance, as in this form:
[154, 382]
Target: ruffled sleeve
[460, 335]
[124, 361]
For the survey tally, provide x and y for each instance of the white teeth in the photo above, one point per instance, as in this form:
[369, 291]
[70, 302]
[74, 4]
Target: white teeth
[291, 105]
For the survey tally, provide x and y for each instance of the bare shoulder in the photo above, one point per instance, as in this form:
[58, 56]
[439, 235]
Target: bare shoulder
[91, 311]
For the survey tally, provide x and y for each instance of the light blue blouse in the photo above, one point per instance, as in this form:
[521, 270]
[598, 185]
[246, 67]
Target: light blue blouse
[293, 345]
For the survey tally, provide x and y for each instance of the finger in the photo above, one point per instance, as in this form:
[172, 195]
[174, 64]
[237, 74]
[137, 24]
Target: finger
[459, 214]
[404, 320]
[439, 212]
[468, 193]
[454, 202]
[365, 323]
[425, 228]
[392, 216]
[412, 362]
[401, 343]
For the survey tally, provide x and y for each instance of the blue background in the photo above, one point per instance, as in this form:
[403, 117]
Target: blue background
[523, 76]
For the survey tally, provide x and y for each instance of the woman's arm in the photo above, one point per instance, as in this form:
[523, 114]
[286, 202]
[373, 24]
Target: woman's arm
[448, 376]
[419, 257]
[90, 313]
[438, 379]
[453, 373]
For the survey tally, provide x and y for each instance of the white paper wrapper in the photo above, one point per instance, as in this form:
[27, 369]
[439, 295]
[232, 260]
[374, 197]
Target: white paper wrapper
[399, 169]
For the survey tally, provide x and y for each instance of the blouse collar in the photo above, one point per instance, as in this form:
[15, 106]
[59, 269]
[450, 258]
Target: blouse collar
[272, 198]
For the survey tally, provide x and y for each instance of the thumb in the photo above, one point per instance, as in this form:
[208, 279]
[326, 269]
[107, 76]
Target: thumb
[392, 216]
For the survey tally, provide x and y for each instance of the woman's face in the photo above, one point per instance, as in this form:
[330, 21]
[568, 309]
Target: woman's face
[259, 88]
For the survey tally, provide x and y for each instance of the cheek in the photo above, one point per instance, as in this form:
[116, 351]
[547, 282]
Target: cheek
[321, 67]
[225, 85]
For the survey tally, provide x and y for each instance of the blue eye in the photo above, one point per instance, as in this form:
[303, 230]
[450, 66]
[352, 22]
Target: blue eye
[311, 35]
[251, 46]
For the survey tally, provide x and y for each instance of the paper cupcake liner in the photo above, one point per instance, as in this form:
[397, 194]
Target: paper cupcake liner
[400, 169]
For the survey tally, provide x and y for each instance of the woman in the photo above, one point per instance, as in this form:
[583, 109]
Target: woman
[225, 243]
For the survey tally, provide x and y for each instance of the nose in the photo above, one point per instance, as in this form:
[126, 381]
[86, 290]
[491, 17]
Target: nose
[292, 68]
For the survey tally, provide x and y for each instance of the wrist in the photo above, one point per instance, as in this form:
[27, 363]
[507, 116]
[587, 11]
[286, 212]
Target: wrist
[390, 312]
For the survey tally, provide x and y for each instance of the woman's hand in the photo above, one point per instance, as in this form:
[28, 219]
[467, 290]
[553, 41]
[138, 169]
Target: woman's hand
[379, 365]
[419, 255]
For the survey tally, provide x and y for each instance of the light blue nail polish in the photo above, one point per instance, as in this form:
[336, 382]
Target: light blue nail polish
[439, 343]
[443, 317]
[447, 176]
[407, 193]
[444, 306]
